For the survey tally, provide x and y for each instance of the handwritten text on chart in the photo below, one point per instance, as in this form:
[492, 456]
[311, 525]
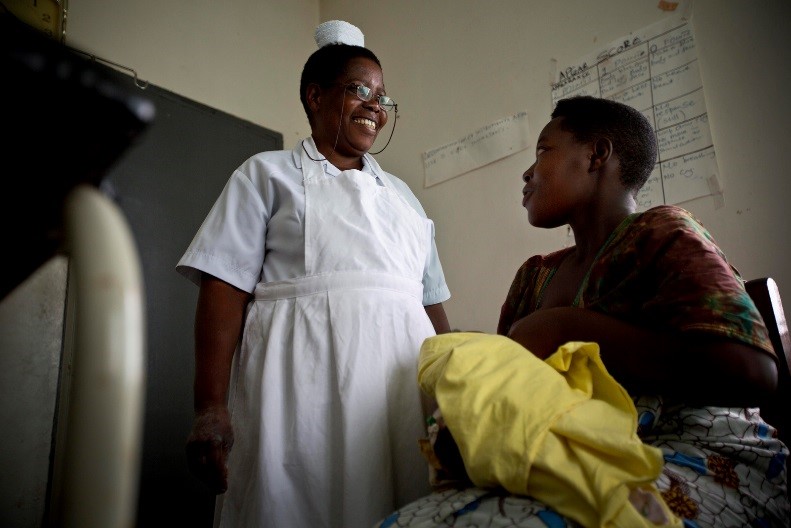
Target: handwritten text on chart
[486, 145]
[656, 72]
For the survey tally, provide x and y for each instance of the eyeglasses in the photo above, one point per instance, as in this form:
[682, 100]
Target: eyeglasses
[366, 94]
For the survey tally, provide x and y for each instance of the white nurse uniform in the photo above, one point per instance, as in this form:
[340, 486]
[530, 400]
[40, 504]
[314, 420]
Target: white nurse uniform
[324, 398]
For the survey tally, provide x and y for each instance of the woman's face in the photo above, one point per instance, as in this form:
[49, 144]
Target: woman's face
[559, 182]
[344, 124]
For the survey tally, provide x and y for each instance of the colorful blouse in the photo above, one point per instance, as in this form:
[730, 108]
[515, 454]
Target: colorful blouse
[660, 269]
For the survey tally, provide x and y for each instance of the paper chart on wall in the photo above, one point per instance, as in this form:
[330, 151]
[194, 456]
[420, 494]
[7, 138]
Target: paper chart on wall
[656, 71]
[486, 145]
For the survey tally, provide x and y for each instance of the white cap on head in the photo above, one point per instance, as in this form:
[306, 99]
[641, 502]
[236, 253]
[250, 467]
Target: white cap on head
[339, 32]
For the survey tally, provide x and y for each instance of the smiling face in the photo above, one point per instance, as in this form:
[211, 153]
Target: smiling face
[559, 183]
[345, 127]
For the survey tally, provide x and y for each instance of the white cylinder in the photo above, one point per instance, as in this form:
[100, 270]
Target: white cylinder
[98, 485]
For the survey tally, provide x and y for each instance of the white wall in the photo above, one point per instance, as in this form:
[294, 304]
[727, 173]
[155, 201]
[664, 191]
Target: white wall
[241, 56]
[456, 65]
[453, 66]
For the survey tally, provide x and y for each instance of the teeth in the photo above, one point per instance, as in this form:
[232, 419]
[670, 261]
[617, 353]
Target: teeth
[367, 122]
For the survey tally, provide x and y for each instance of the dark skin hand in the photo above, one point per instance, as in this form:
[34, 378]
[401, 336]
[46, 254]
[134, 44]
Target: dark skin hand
[218, 329]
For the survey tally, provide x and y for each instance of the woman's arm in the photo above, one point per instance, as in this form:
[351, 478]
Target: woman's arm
[218, 328]
[695, 369]
[436, 313]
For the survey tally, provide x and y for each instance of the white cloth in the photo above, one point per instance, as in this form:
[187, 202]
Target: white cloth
[255, 230]
[338, 32]
[325, 402]
[324, 398]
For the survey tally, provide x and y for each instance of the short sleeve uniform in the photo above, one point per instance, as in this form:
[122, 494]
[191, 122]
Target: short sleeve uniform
[255, 231]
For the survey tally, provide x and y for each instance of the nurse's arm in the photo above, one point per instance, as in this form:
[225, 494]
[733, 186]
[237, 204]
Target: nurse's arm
[438, 318]
[219, 321]
[436, 313]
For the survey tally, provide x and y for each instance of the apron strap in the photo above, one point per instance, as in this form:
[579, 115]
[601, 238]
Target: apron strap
[338, 280]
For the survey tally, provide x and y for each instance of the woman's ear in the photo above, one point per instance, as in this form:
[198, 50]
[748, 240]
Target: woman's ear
[602, 152]
[313, 96]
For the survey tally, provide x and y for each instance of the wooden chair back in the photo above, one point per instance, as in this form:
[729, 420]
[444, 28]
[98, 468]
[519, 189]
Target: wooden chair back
[766, 296]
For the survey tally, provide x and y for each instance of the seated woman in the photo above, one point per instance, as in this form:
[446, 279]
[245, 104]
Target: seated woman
[671, 318]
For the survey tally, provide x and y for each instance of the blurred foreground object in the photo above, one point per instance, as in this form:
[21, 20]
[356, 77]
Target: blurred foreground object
[65, 119]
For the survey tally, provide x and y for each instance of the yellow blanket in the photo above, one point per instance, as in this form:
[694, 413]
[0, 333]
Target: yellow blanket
[562, 430]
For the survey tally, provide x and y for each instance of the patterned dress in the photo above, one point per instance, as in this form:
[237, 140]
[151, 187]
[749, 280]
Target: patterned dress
[662, 270]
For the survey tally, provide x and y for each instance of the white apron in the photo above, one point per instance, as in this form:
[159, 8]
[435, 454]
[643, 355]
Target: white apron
[324, 395]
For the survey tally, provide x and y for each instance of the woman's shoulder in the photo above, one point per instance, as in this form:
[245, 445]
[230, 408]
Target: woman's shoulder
[657, 233]
[398, 183]
[543, 261]
[405, 191]
[269, 158]
[666, 213]
[668, 222]
[269, 167]
[535, 270]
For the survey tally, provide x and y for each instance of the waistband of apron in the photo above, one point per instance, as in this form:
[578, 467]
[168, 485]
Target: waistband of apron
[338, 280]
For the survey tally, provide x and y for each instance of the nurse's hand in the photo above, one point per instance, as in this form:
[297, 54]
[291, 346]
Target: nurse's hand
[208, 446]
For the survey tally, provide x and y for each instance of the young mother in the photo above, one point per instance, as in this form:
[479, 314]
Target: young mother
[670, 315]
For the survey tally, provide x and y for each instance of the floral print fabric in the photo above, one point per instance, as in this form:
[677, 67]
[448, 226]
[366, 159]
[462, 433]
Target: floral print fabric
[724, 467]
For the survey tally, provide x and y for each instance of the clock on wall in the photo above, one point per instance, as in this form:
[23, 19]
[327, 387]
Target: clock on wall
[48, 16]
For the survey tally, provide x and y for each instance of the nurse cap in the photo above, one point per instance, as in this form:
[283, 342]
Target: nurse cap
[339, 32]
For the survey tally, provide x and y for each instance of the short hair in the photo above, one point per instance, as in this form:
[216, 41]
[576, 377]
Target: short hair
[631, 134]
[327, 64]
